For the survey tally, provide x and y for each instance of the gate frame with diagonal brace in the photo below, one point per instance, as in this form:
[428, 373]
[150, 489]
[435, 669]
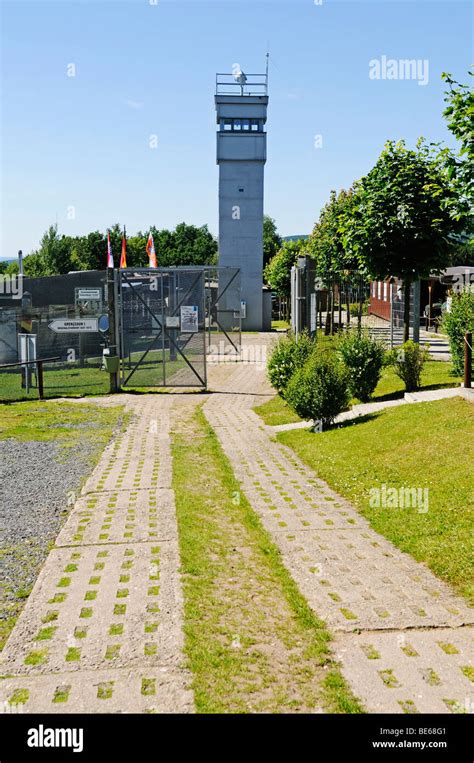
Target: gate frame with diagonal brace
[205, 288]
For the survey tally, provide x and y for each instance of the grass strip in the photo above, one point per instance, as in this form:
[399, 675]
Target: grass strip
[252, 642]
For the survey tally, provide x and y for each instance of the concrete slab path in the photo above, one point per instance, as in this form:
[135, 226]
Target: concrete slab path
[102, 628]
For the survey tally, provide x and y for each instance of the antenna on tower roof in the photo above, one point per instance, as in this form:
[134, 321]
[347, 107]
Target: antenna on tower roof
[268, 56]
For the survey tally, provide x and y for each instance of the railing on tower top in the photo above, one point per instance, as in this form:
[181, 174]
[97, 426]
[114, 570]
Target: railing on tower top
[228, 84]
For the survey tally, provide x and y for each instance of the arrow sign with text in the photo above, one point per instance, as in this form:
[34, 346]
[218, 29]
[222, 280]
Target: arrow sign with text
[73, 325]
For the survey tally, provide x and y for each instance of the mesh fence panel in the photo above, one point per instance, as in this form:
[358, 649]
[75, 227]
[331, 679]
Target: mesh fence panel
[166, 320]
[223, 319]
[52, 311]
[162, 327]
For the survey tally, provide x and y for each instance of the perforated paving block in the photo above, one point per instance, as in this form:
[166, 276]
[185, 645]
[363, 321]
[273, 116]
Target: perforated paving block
[141, 457]
[127, 474]
[301, 513]
[124, 516]
[133, 587]
[408, 671]
[383, 587]
[141, 690]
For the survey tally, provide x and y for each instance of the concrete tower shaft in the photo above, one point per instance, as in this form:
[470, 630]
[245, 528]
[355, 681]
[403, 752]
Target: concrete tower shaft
[241, 108]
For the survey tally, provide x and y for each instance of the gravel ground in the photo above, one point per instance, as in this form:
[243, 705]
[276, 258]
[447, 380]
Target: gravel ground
[36, 479]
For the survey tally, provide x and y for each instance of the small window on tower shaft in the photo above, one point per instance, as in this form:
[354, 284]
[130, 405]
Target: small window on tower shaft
[241, 190]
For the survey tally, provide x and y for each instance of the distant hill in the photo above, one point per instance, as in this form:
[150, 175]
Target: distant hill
[304, 236]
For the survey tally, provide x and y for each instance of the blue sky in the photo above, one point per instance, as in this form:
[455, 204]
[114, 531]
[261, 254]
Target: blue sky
[78, 147]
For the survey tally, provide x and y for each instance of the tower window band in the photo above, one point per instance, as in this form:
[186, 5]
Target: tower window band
[241, 125]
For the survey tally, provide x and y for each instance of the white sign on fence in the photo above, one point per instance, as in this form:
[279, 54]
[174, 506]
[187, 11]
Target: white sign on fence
[74, 325]
[189, 319]
[95, 294]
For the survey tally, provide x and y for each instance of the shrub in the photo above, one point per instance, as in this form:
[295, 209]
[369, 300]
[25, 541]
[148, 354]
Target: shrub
[287, 355]
[456, 323]
[319, 391]
[354, 308]
[363, 358]
[408, 361]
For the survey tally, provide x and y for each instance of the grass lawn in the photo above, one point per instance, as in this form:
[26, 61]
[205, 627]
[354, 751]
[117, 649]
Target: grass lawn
[428, 445]
[65, 423]
[70, 380]
[252, 642]
[58, 382]
[436, 375]
[276, 411]
[70, 426]
[280, 325]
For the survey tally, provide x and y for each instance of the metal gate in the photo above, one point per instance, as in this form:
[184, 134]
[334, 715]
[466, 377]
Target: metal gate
[167, 318]
[397, 313]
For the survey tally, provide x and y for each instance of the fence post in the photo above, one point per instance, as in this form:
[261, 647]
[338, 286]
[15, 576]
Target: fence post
[112, 332]
[467, 359]
[416, 312]
[391, 314]
[39, 366]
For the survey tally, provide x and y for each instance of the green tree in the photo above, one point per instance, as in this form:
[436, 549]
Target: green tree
[277, 273]
[136, 251]
[52, 257]
[461, 250]
[326, 244]
[12, 268]
[272, 241]
[186, 245]
[459, 113]
[89, 252]
[194, 246]
[334, 259]
[400, 225]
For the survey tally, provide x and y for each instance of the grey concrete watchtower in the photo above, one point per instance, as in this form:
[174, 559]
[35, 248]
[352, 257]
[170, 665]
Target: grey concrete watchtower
[241, 106]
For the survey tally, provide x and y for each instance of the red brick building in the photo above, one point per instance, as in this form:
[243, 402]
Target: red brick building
[380, 297]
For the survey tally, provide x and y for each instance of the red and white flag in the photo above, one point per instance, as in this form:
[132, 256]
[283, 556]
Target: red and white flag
[110, 258]
[150, 248]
